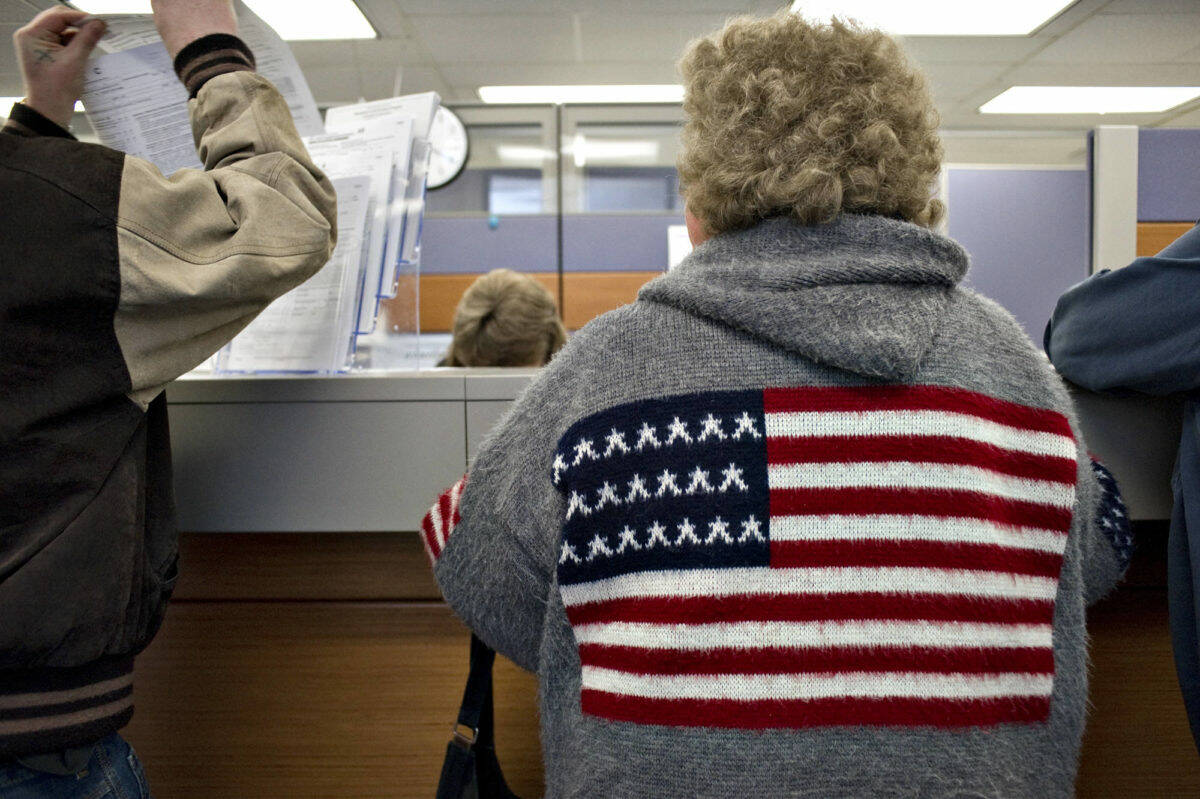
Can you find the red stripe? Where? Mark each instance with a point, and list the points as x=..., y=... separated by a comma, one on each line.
x=446, y=512
x=949, y=503
x=793, y=660
x=914, y=398
x=927, y=554
x=793, y=714
x=919, y=449
x=813, y=607
x=431, y=543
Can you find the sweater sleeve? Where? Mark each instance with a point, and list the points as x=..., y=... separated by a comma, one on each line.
x=492, y=536
x=1107, y=538
x=1136, y=328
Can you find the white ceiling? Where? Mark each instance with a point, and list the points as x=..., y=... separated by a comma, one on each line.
x=454, y=46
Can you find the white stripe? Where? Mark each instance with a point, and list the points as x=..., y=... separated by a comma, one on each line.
x=914, y=528
x=818, y=686
x=455, y=496
x=821, y=580
x=918, y=423
x=435, y=517
x=893, y=474
x=816, y=634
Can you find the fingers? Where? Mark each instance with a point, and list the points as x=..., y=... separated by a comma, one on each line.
x=52, y=20
x=83, y=41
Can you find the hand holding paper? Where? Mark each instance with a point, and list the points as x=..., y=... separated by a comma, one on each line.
x=181, y=22
x=52, y=53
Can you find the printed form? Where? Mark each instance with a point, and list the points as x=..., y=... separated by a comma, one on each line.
x=378, y=149
x=137, y=105
x=408, y=176
x=311, y=328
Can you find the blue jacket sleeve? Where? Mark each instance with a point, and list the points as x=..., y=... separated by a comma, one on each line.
x=1135, y=328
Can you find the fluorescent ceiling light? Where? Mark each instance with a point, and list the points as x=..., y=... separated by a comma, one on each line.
x=328, y=19
x=643, y=93
x=1089, y=99
x=7, y=102
x=523, y=154
x=611, y=150
x=939, y=17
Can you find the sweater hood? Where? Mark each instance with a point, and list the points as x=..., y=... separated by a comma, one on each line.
x=862, y=293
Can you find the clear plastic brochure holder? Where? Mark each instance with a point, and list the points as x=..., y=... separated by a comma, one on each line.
x=377, y=156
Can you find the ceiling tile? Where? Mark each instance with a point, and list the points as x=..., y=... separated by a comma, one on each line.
x=967, y=49
x=389, y=52
x=616, y=7
x=643, y=37
x=379, y=83
x=1130, y=38
x=952, y=82
x=1189, y=120
x=474, y=75
x=8, y=54
x=1150, y=7
x=17, y=11
x=496, y=37
x=333, y=84
x=1113, y=74
x=323, y=54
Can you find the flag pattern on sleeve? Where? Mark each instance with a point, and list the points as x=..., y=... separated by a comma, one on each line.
x=803, y=557
x=441, y=520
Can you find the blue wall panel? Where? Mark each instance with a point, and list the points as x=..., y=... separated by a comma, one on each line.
x=1027, y=234
x=1168, y=175
x=471, y=244
x=616, y=242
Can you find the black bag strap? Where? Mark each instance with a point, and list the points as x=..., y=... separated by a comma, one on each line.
x=472, y=751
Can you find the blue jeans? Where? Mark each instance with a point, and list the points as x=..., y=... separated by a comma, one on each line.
x=112, y=772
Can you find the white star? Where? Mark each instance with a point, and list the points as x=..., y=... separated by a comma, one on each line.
x=608, y=496
x=678, y=429
x=646, y=436
x=733, y=477
x=568, y=553
x=584, y=447
x=657, y=534
x=712, y=427
x=699, y=482
x=718, y=530
x=615, y=441
x=577, y=504
x=560, y=466
x=751, y=531
x=745, y=424
x=628, y=540
x=666, y=482
x=597, y=547
x=687, y=532
x=637, y=489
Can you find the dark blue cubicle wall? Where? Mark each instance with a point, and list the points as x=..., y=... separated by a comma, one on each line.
x=1026, y=231
x=1168, y=175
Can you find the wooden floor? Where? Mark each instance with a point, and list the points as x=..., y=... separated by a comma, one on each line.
x=296, y=666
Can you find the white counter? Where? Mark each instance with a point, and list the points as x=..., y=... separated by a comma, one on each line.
x=370, y=452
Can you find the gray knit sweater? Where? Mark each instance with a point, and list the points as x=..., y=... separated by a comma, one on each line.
x=807, y=519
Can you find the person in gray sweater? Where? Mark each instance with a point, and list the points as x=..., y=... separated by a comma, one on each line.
x=808, y=518
x=1138, y=329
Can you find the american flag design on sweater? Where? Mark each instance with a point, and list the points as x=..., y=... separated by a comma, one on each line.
x=803, y=557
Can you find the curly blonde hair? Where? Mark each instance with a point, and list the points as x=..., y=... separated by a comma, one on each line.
x=505, y=318
x=791, y=117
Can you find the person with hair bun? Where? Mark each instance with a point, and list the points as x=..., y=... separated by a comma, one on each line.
x=505, y=318
x=808, y=518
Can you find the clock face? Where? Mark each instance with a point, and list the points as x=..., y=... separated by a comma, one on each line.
x=450, y=147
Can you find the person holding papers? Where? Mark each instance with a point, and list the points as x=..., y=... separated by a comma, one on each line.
x=116, y=280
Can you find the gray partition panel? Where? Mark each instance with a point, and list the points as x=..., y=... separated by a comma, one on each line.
x=315, y=466
x=481, y=417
